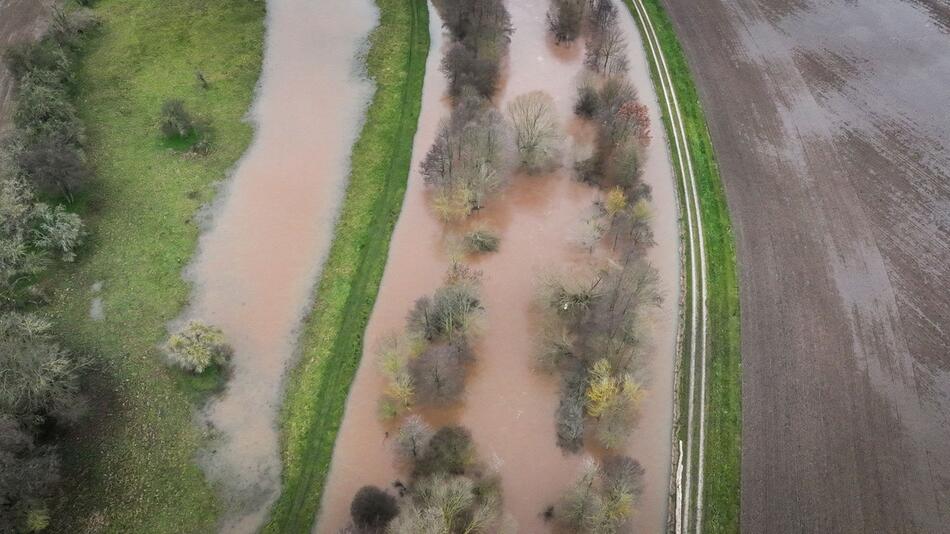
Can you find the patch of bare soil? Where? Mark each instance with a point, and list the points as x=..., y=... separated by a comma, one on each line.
x=829, y=118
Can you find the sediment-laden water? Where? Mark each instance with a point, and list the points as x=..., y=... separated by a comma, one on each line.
x=509, y=407
x=270, y=230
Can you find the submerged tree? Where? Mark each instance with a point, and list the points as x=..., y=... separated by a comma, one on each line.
x=565, y=19
x=602, y=499
x=537, y=133
x=468, y=158
x=372, y=509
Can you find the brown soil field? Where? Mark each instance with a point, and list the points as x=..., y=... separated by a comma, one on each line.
x=830, y=122
x=20, y=21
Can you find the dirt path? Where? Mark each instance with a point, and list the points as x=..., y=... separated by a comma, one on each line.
x=20, y=21
x=697, y=324
x=829, y=121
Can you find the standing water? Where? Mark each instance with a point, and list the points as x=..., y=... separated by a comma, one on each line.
x=508, y=407
x=271, y=228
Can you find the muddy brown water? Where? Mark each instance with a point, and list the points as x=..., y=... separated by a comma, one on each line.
x=830, y=122
x=270, y=230
x=508, y=407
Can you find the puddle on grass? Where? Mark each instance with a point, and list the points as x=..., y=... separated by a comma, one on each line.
x=508, y=407
x=270, y=231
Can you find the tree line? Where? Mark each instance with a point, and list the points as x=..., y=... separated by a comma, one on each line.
x=595, y=324
x=42, y=166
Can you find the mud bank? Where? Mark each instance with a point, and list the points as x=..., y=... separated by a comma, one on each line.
x=508, y=407
x=270, y=230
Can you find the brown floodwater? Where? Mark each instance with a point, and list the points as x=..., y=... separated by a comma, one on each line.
x=270, y=230
x=508, y=407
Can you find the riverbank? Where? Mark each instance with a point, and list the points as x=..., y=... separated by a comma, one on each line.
x=332, y=337
x=721, y=490
x=131, y=466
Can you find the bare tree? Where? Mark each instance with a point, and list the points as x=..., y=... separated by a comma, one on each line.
x=412, y=441
x=565, y=19
x=537, y=132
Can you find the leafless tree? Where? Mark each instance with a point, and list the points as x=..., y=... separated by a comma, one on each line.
x=537, y=133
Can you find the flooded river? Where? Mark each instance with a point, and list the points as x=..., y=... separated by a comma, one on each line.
x=509, y=407
x=270, y=230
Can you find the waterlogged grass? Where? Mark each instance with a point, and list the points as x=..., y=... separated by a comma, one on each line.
x=724, y=373
x=332, y=341
x=131, y=466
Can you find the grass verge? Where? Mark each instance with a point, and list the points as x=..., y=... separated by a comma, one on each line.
x=332, y=340
x=724, y=395
x=130, y=466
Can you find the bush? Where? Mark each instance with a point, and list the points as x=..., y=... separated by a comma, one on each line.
x=176, y=122
x=38, y=378
x=44, y=111
x=56, y=230
x=29, y=473
x=54, y=167
x=198, y=346
x=373, y=508
x=450, y=452
x=481, y=241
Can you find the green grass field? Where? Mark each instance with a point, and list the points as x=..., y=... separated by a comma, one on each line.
x=131, y=466
x=332, y=340
x=724, y=373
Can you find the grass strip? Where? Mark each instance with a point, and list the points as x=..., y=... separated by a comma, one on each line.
x=130, y=467
x=332, y=340
x=724, y=372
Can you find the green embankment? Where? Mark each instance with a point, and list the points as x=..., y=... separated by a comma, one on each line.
x=332, y=341
x=724, y=373
x=131, y=466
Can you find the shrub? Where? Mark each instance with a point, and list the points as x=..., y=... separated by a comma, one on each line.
x=44, y=111
x=198, y=346
x=28, y=475
x=450, y=452
x=537, y=134
x=176, y=122
x=372, y=508
x=38, y=378
x=481, y=241
x=56, y=230
x=54, y=167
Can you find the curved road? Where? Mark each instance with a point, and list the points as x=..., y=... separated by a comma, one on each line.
x=830, y=121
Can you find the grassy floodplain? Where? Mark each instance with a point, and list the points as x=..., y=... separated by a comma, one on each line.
x=724, y=373
x=332, y=339
x=130, y=467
